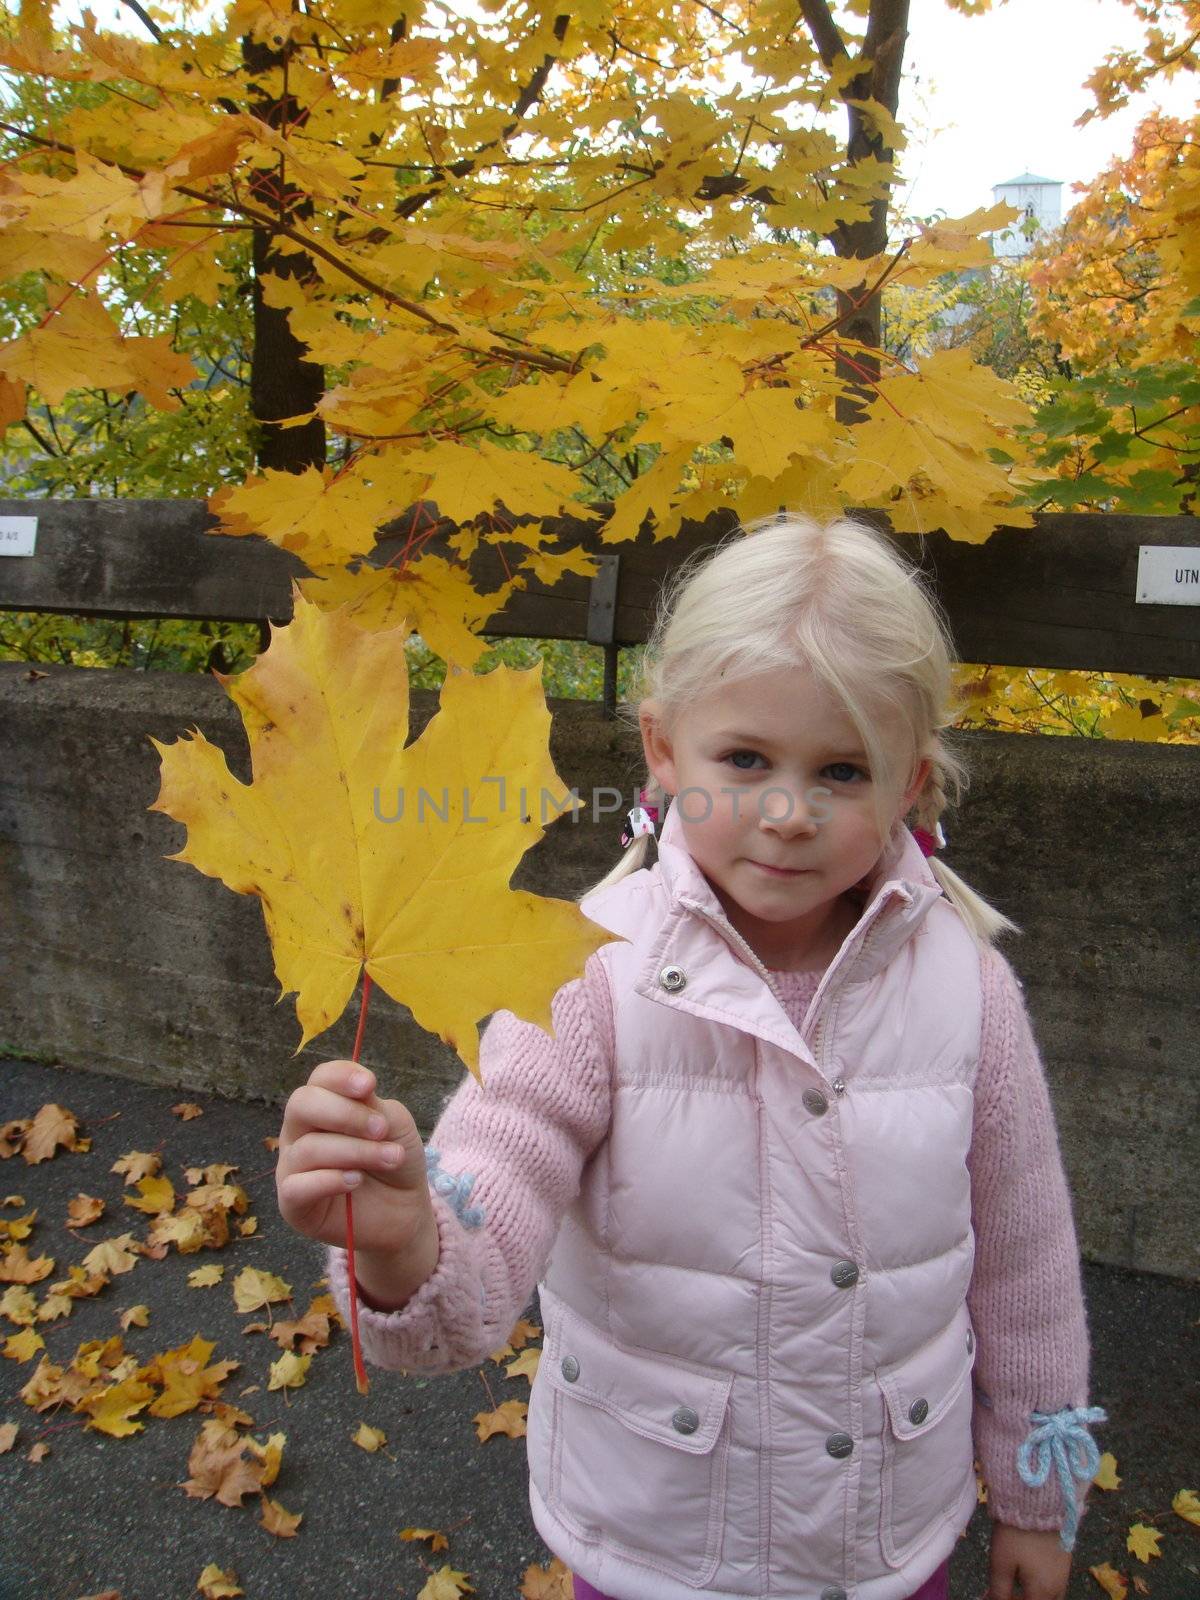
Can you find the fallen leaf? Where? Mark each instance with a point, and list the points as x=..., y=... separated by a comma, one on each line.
x=39, y=1452
x=84, y=1208
x=1106, y=1473
x=508, y=1418
x=112, y=1410
x=52, y=1128
x=437, y=1539
x=555, y=1582
x=526, y=1364
x=278, y=1521
x=155, y=1195
x=1110, y=1580
x=18, y=1305
x=205, y=1277
x=214, y=1584
x=220, y=1467
x=17, y=1266
x=1186, y=1504
x=19, y=1227
x=137, y=1164
x=186, y=1110
x=1143, y=1541
x=446, y=1584
x=113, y=1255
x=253, y=1288
x=23, y=1346
x=289, y=1372
x=135, y=1317
x=369, y=1438
x=8, y=1435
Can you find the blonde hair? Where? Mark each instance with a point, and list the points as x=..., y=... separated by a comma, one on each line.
x=839, y=599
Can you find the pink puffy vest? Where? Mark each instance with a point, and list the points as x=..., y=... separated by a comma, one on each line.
x=756, y=1371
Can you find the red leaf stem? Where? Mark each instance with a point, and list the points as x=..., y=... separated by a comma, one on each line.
x=360, y=1371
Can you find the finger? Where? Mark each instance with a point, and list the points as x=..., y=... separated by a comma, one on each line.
x=312, y=1108
x=303, y=1192
x=345, y=1077
x=317, y=1151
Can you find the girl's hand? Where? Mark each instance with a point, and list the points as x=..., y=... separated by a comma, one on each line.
x=1030, y=1557
x=334, y=1125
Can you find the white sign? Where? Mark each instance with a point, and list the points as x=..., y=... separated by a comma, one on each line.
x=18, y=535
x=1168, y=575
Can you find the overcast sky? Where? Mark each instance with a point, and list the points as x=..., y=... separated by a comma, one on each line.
x=985, y=98
x=989, y=97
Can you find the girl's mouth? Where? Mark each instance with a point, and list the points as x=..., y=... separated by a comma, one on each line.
x=779, y=872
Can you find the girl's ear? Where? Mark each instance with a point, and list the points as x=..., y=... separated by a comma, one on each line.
x=656, y=747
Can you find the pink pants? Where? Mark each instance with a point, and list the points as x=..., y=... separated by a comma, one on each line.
x=935, y=1588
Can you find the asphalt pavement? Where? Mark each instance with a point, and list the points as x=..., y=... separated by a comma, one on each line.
x=99, y=1514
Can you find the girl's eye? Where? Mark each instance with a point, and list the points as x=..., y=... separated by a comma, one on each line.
x=734, y=754
x=845, y=766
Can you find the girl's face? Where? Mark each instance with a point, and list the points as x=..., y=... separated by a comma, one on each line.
x=776, y=804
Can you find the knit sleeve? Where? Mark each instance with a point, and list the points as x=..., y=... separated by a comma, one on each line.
x=1026, y=1294
x=504, y=1161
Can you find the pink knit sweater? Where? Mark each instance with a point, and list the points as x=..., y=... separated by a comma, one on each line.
x=545, y=1110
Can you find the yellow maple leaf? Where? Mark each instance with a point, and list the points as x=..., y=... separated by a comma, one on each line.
x=370, y=1439
x=137, y=1164
x=554, y=1582
x=23, y=1346
x=508, y=1418
x=1110, y=1580
x=270, y=1454
x=1106, y=1473
x=18, y=1266
x=111, y=1411
x=430, y=596
x=290, y=1371
x=205, y=1277
x=185, y=1377
x=1186, y=1504
x=113, y=1255
x=276, y=1520
x=1143, y=1541
x=253, y=1288
x=154, y=1196
x=445, y=1584
x=135, y=1317
x=19, y=1227
x=214, y=1584
x=437, y=1539
x=407, y=872
x=8, y=1435
x=84, y=1209
x=526, y=1364
x=18, y=1305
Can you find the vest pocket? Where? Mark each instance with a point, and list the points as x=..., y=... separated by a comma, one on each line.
x=928, y=1452
x=636, y=1445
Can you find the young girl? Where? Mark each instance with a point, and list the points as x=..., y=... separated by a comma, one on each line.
x=787, y=1175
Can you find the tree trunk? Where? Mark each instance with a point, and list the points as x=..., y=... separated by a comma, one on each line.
x=282, y=382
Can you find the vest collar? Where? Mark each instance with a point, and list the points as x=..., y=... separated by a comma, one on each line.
x=897, y=896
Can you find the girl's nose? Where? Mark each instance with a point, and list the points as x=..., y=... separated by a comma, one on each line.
x=788, y=812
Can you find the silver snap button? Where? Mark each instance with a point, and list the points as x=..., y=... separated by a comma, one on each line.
x=839, y=1444
x=815, y=1102
x=970, y=1341
x=685, y=1420
x=569, y=1368
x=844, y=1274
x=918, y=1411
x=833, y=1593
x=672, y=979
x=839, y=1086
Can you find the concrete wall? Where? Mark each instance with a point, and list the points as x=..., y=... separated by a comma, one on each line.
x=118, y=960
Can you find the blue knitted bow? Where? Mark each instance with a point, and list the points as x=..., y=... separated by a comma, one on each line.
x=456, y=1190
x=1058, y=1436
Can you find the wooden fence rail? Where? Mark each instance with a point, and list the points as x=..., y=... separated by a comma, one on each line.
x=1062, y=594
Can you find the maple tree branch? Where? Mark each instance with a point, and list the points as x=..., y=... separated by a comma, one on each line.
x=537, y=358
x=29, y=428
x=145, y=17
x=829, y=42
